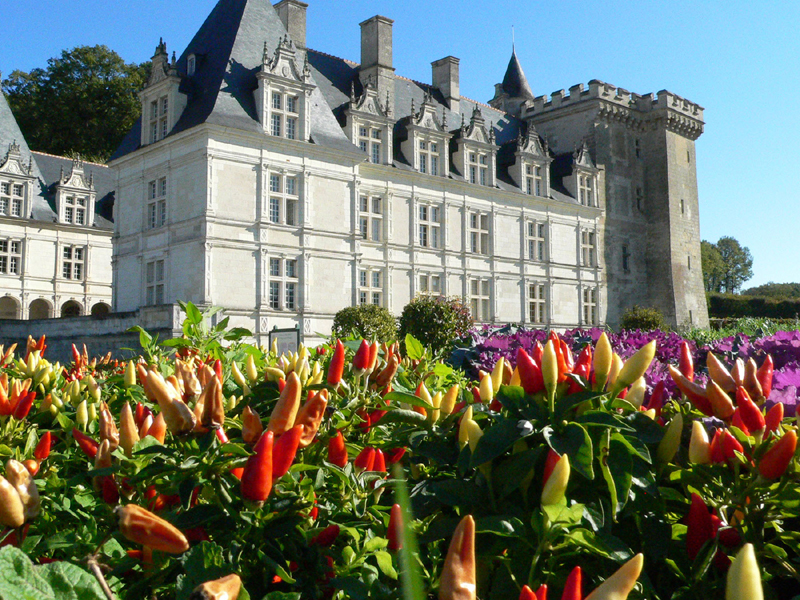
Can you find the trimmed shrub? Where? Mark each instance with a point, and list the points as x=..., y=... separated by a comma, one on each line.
x=436, y=321
x=640, y=317
x=725, y=306
x=366, y=321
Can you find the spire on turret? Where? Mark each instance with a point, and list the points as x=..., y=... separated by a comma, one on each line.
x=515, y=84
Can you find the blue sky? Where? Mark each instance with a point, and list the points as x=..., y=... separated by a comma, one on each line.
x=739, y=60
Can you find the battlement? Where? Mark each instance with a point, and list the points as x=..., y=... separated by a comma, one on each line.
x=647, y=103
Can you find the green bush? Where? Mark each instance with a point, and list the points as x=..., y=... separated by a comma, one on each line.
x=724, y=306
x=435, y=321
x=640, y=317
x=367, y=321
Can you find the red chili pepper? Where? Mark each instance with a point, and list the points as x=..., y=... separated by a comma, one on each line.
x=284, y=450
x=476, y=395
x=365, y=459
x=337, y=452
x=218, y=369
x=530, y=374
x=696, y=394
x=730, y=445
x=527, y=594
x=257, y=475
x=87, y=444
x=394, y=532
x=42, y=450
x=541, y=593
x=737, y=421
x=773, y=419
x=656, y=401
x=326, y=537
x=715, y=448
x=394, y=455
x=109, y=490
x=375, y=416
x=281, y=384
x=76, y=357
x=572, y=588
x=699, y=527
x=379, y=463
x=764, y=375
x=561, y=359
x=361, y=359
x=582, y=368
x=751, y=414
x=336, y=368
x=24, y=406
x=549, y=464
x=685, y=362
x=373, y=356
x=566, y=353
x=774, y=463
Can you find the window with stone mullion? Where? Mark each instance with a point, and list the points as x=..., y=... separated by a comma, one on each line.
x=370, y=218
x=10, y=256
x=589, y=306
x=537, y=240
x=586, y=190
x=429, y=226
x=480, y=298
x=370, y=286
x=283, y=283
x=12, y=196
x=284, y=199
x=429, y=156
x=73, y=262
x=157, y=203
x=537, y=303
x=534, y=185
x=478, y=168
x=154, y=282
x=370, y=140
x=588, y=248
x=478, y=227
x=284, y=114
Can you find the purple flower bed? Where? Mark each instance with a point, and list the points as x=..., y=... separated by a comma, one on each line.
x=490, y=344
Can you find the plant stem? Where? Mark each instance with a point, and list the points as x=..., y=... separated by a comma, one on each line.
x=94, y=567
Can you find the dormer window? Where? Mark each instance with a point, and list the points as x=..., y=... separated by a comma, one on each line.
x=530, y=167
x=283, y=92
x=582, y=183
x=533, y=180
x=162, y=102
x=478, y=168
x=16, y=183
x=426, y=146
x=75, y=196
x=370, y=140
x=75, y=210
x=191, y=65
x=369, y=125
x=429, y=157
x=12, y=196
x=586, y=190
x=476, y=154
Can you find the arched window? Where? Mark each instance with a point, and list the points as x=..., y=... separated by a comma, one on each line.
x=71, y=309
x=9, y=308
x=101, y=310
x=40, y=309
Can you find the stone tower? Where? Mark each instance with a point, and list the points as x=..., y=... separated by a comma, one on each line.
x=644, y=145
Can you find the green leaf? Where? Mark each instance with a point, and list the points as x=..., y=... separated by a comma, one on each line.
x=574, y=441
x=282, y=596
x=204, y=562
x=647, y=430
x=634, y=445
x=564, y=515
x=414, y=348
x=510, y=474
x=616, y=463
x=605, y=449
x=502, y=526
x=408, y=399
x=193, y=314
x=385, y=564
x=498, y=438
x=601, y=418
x=569, y=402
x=375, y=544
x=21, y=580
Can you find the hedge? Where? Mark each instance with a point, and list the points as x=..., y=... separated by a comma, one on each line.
x=730, y=305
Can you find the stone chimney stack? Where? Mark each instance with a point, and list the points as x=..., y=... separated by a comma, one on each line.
x=293, y=16
x=446, y=80
x=376, y=57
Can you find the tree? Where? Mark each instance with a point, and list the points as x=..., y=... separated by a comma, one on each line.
x=738, y=264
x=83, y=103
x=713, y=267
x=774, y=290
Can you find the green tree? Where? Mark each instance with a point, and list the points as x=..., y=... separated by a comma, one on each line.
x=83, y=103
x=713, y=267
x=738, y=264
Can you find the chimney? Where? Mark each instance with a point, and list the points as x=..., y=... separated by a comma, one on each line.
x=292, y=14
x=376, y=57
x=445, y=79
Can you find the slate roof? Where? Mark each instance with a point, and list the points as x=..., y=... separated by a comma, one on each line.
x=229, y=48
x=47, y=170
x=515, y=84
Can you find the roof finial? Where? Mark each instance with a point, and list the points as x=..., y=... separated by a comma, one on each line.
x=413, y=112
x=513, y=41
x=353, y=91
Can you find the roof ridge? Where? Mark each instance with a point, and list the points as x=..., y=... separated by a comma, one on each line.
x=350, y=62
x=86, y=162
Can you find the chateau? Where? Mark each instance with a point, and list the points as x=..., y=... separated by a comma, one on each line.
x=283, y=184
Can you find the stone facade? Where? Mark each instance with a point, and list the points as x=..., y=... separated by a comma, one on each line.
x=284, y=184
x=55, y=231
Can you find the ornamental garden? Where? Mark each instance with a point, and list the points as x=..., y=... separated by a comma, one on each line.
x=526, y=464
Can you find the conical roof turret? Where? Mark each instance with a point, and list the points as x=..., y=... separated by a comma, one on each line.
x=515, y=84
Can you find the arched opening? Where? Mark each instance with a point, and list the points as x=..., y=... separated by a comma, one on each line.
x=71, y=309
x=39, y=309
x=9, y=308
x=101, y=310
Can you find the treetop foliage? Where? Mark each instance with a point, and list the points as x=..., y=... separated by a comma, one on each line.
x=83, y=103
x=774, y=290
x=726, y=265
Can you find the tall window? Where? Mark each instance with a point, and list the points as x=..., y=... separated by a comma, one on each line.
x=283, y=284
x=586, y=190
x=478, y=168
x=430, y=285
x=157, y=203
x=159, y=110
x=370, y=141
x=478, y=233
x=154, y=282
x=533, y=180
x=370, y=287
x=428, y=157
x=536, y=238
x=370, y=219
x=73, y=261
x=590, y=306
x=480, y=299
x=11, y=197
x=285, y=115
x=588, y=249
x=75, y=210
x=626, y=258
x=639, y=199
x=537, y=303
x=283, y=199
x=429, y=226
x=10, y=257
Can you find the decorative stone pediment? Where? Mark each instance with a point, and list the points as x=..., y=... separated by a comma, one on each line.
x=530, y=143
x=582, y=157
x=13, y=163
x=369, y=102
x=426, y=117
x=162, y=69
x=77, y=178
x=476, y=131
x=283, y=62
